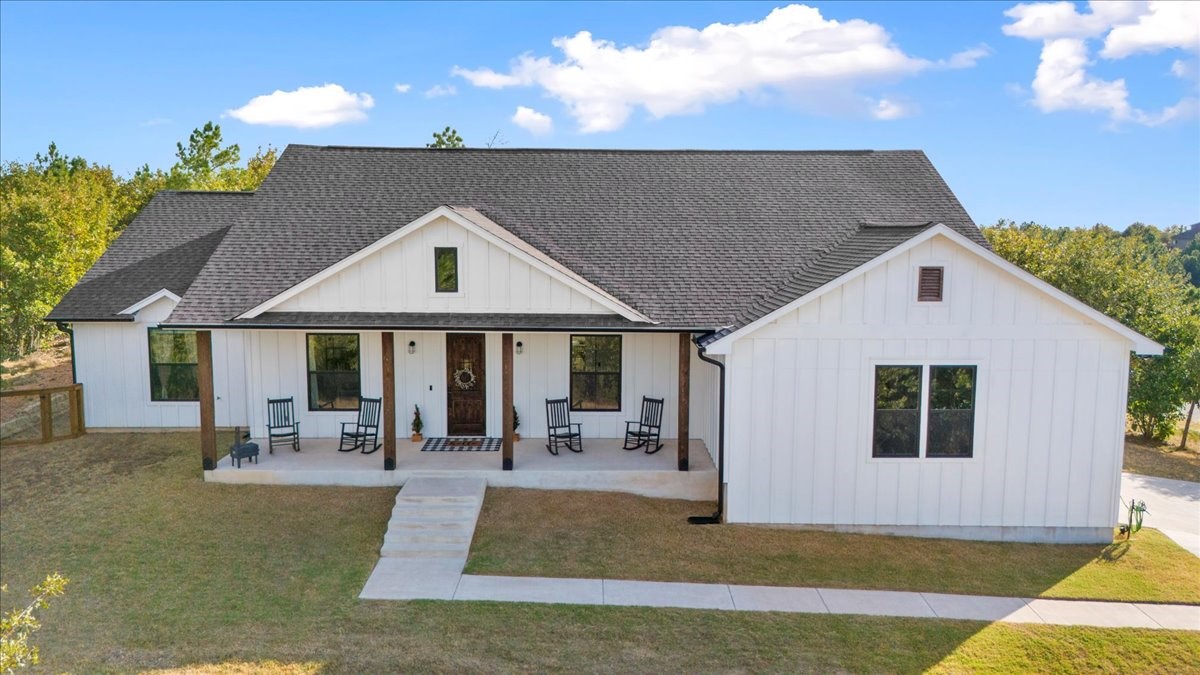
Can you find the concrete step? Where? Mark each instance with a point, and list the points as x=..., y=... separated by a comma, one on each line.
x=427, y=550
x=420, y=539
x=419, y=500
x=459, y=554
x=464, y=526
x=435, y=512
x=426, y=547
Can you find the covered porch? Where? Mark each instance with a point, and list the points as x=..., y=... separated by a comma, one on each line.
x=603, y=465
x=402, y=368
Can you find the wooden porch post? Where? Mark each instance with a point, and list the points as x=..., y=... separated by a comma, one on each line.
x=208, y=408
x=506, y=400
x=389, y=400
x=685, y=392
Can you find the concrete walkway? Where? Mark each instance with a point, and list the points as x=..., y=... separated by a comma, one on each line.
x=427, y=539
x=429, y=536
x=803, y=600
x=1173, y=505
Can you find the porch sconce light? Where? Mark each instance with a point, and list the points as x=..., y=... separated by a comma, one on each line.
x=520, y=347
x=412, y=346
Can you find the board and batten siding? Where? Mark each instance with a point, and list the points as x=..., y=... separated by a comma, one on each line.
x=400, y=278
x=277, y=368
x=1049, y=421
x=112, y=361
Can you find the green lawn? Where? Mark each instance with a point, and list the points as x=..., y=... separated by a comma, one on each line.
x=610, y=535
x=170, y=573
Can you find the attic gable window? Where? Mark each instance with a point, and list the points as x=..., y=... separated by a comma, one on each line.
x=445, y=269
x=929, y=284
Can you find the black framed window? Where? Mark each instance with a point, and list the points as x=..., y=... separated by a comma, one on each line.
x=947, y=413
x=897, y=411
x=173, y=375
x=596, y=372
x=951, y=425
x=445, y=269
x=333, y=374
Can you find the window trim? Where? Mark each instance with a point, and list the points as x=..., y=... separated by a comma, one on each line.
x=620, y=372
x=457, y=290
x=150, y=367
x=867, y=436
x=308, y=399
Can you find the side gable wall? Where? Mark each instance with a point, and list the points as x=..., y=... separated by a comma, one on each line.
x=113, y=364
x=400, y=277
x=1049, y=411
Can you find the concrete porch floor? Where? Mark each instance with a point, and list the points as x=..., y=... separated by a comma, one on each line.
x=603, y=465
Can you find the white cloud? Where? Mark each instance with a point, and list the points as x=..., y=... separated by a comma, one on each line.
x=533, y=121
x=1050, y=20
x=886, y=109
x=440, y=90
x=155, y=122
x=305, y=108
x=1166, y=25
x=1183, y=69
x=402, y=88
x=681, y=70
x=1062, y=81
x=967, y=58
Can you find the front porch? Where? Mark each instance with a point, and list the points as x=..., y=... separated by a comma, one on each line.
x=603, y=465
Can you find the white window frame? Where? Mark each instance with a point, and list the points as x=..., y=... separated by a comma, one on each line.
x=925, y=363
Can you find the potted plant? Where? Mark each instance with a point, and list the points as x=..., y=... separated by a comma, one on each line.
x=417, y=424
x=516, y=424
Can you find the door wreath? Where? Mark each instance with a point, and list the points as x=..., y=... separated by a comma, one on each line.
x=464, y=378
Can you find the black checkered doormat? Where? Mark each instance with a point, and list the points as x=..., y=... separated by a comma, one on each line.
x=462, y=444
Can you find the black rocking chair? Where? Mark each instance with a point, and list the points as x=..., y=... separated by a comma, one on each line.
x=560, y=430
x=645, y=432
x=282, y=427
x=242, y=448
x=365, y=427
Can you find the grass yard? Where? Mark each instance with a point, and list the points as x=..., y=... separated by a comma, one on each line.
x=1166, y=460
x=170, y=573
x=601, y=534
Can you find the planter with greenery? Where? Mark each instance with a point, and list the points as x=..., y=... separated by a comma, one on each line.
x=417, y=425
x=516, y=424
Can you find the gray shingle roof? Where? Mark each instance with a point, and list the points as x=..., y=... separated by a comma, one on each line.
x=165, y=246
x=690, y=238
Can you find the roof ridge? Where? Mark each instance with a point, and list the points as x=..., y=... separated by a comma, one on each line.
x=646, y=151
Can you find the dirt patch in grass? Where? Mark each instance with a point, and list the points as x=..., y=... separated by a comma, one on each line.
x=610, y=535
x=50, y=367
x=1165, y=460
x=172, y=574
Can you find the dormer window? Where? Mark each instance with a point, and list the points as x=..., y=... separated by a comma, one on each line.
x=445, y=270
x=929, y=284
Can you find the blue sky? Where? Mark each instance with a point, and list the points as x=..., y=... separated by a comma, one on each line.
x=1066, y=115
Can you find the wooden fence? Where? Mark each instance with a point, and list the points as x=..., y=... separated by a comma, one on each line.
x=50, y=424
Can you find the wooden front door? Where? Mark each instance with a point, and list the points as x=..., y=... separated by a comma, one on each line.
x=465, y=399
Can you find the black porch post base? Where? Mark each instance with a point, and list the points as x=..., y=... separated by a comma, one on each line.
x=683, y=463
x=209, y=465
x=389, y=463
x=507, y=464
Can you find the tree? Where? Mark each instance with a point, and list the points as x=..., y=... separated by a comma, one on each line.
x=59, y=213
x=1133, y=278
x=1190, y=389
x=446, y=138
x=203, y=160
x=18, y=625
x=1189, y=258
